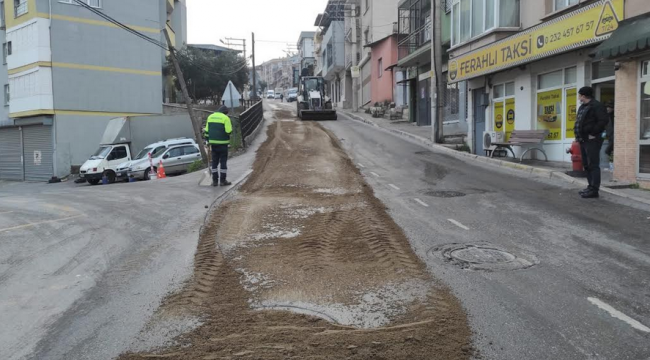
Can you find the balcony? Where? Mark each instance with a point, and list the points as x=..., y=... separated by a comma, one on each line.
x=20, y=8
x=415, y=32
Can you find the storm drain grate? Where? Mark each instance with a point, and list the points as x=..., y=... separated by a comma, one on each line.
x=444, y=194
x=483, y=256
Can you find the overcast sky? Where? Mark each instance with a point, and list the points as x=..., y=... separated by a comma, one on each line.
x=208, y=21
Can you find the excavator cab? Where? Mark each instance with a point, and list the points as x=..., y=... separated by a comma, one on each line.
x=312, y=102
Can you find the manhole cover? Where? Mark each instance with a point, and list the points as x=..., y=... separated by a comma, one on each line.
x=483, y=256
x=444, y=194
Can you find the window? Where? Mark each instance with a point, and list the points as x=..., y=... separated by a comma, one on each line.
x=472, y=18
x=93, y=3
x=380, y=68
x=602, y=69
x=20, y=7
x=557, y=100
x=190, y=150
x=503, y=106
x=118, y=153
x=561, y=4
x=2, y=14
x=175, y=152
x=4, y=53
x=644, y=121
x=7, y=95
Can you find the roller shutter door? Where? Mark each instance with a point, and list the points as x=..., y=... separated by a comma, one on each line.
x=11, y=165
x=38, y=152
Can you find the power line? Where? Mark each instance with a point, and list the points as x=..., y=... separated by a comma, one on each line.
x=122, y=26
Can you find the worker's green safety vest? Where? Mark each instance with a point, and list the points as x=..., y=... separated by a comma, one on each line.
x=218, y=129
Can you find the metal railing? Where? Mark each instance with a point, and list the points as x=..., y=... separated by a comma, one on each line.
x=250, y=120
x=414, y=41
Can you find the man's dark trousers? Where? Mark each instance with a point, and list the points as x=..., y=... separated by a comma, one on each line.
x=591, y=161
x=219, y=157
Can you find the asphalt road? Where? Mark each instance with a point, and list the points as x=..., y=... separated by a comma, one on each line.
x=562, y=277
x=83, y=268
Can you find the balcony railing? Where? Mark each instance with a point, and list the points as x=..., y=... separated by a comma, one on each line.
x=21, y=9
x=414, y=41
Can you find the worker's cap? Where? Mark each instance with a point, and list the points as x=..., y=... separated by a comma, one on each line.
x=224, y=110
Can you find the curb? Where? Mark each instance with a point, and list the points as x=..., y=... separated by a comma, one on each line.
x=535, y=171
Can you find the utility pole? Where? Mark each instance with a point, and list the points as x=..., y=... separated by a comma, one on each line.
x=196, y=125
x=254, y=71
x=437, y=126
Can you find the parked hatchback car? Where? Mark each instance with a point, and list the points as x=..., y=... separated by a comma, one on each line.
x=176, y=160
x=155, y=148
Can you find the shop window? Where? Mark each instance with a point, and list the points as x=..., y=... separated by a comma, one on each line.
x=550, y=80
x=570, y=75
x=503, y=108
x=471, y=18
x=602, y=70
x=557, y=103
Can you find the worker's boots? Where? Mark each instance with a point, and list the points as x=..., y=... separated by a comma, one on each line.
x=225, y=182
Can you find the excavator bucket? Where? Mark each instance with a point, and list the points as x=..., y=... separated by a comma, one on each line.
x=319, y=115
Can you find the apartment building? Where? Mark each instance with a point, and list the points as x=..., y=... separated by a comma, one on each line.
x=306, y=50
x=524, y=61
x=371, y=47
x=67, y=72
x=331, y=52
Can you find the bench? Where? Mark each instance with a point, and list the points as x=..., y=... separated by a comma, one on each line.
x=396, y=113
x=526, y=139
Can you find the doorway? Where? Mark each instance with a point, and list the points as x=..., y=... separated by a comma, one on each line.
x=424, y=102
x=478, y=99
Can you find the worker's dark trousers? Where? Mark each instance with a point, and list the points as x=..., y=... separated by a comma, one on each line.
x=591, y=161
x=219, y=157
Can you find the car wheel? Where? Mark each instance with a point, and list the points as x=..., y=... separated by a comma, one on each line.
x=147, y=174
x=93, y=181
x=110, y=176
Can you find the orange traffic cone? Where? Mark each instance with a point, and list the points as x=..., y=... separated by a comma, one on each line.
x=161, y=171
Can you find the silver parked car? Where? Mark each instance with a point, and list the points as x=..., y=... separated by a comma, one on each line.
x=176, y=160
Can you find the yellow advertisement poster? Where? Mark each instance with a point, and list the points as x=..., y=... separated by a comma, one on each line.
x=588, y=25
x=510, y=117
x=549, y=113
x=498, y=116
x=571, y=111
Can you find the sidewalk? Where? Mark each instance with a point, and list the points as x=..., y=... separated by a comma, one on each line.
x=550, y=169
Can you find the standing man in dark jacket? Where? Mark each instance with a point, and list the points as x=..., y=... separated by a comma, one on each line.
x=217, y=131
x=590, y=123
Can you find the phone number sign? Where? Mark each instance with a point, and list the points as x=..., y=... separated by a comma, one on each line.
x=587, y=25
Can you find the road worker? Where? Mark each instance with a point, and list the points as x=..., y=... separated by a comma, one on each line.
x=217, y=130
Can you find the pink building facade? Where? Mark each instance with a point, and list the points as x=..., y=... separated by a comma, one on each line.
x=384, y=57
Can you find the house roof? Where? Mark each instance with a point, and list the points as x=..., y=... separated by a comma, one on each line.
x=212, y=47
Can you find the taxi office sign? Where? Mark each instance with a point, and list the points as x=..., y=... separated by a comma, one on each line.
x=587, y=25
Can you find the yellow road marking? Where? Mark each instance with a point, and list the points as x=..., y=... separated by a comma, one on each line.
x=40, y=223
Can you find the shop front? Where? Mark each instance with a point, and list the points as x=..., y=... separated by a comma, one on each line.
x=629, y=49
x=531, y=79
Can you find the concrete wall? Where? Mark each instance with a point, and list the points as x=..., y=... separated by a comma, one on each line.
x=4, y=80
x=626, y=146
x=336, y=38
x=77, y=136
x=382, y=88
x=125, y=71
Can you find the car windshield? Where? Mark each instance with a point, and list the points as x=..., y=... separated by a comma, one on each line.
x=101, y=153
x=293, y=91
x=143, y=153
